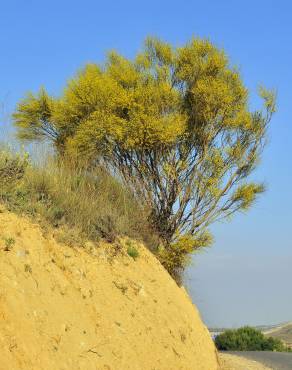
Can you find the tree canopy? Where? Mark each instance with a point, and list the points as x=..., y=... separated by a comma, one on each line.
x=173, y=123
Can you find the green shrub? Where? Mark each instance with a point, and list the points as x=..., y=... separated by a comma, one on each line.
x=247, y=339
x=132, y=252
x=9, y=243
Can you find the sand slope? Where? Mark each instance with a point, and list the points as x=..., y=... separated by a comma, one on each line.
x=64, y=308
x=283, y=332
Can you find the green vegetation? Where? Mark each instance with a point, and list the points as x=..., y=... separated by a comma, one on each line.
x=132, y=252
x=12, y=168
x=88, y=204
x=9, y=243
x=248, y=339
x=173, y=125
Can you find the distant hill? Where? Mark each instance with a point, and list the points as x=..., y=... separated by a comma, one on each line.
x=283, y=332
x=262, y=328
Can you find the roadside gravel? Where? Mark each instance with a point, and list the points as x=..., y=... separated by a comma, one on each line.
x=232, y=362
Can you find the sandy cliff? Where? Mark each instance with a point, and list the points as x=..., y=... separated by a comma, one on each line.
x=93, y=308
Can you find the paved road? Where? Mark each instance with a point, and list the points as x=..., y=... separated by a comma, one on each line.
x=275, y=360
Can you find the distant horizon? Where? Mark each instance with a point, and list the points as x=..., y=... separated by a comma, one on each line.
x=254, y=326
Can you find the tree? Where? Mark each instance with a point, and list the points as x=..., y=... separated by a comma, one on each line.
x=247, y=339
x=173, y=124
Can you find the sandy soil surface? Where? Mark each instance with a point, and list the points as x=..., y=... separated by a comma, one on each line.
x=231, y=362
x=92, y=308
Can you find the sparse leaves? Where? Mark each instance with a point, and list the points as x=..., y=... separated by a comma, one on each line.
x=246, y=194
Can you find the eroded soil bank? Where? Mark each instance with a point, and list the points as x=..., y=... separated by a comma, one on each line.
x=67, y=308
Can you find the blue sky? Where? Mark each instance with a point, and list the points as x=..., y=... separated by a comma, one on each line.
x=246, y=276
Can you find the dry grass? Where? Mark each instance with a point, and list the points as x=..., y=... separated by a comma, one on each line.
x=231, y=362
x=92, y=204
